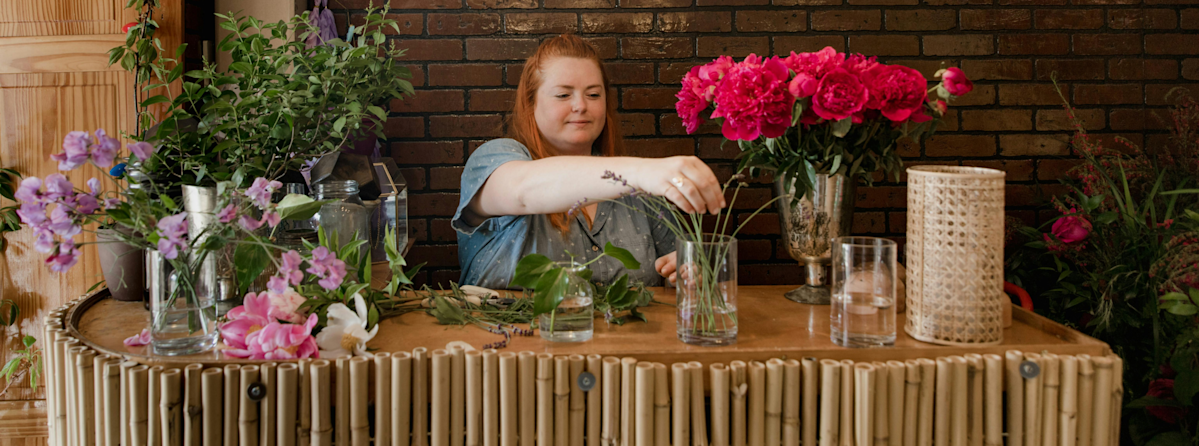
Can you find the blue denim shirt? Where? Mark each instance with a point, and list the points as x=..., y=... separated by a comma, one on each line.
x=488, y=253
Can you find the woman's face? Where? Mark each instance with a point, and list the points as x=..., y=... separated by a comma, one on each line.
x=571, y=103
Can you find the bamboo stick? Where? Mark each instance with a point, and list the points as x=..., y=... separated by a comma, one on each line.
x=811, y=376
x=944, y=402
x=911, y=401
x=644, y=399
x=126, y=401
x=830, y=410
x=757, y=404
x=527, y=382
x=341, y=398
x=304, y=411
x=1015, y=397
x=864, y=376
x=191, y=404
x=562, y=400
x=881, y=404
x=59, y=378
x=84, y=372
x=1032, y=403
x=247, y=409
x=896, y=387
x=925, y=418
x=383, y=376
x=457, y=395
x=595, y=366
x=360, y=424
x=959, y=430
x=1117, y=397
x=267, y=409
x=680, y=414
x=699, y=425
x=401, y=398
x=627, y=402
x=288, y=380
x=545, y=399
x=791, y=398
x=171, y=409
x=113, y=401
x=661, y=406
x=232, y=399
x=50, y=371
x=439, y=431
x=138, y=406
x=1101, y=408
x=491, y=397
x=847, y=400
x=154, y=399
x=71, y=388
x=474, y=398
x=99, y=406
x=1051, y=372
x=578, y=405
x=739, y=386
x=508, y=400
x=420, y=396
x=319, y=378
x=993, y=382
x=610, y=420
x=1068, y=417
x=720, y=407
x=974, y=380
x=772, y=401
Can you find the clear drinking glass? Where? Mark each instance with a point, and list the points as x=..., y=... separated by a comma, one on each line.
x=707, y=290
x=863, y=292
x=182, y=309
x=572, y=321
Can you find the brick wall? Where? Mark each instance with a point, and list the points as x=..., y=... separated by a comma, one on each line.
x=1115, y=58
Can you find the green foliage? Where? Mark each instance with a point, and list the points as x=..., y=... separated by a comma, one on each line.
x=9, y=221
x=548, y=281
x=25, y=361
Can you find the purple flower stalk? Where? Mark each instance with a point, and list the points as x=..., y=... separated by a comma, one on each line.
x=328, y=267
x=173, y=235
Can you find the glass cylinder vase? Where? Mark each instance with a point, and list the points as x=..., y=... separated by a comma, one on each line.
x=346, y=214
x=182, y=307
x=864, y=288
x=572, y=320
x=707, y=290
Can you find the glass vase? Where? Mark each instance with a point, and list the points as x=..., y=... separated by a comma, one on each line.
x=864, y=287
x=182, y=307
x=346, y=214
x=707, y=290
x=573, y=320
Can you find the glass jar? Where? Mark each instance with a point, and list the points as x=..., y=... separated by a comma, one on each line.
x=346, y=214
x=707, y=290
x=572, y=320
x=182, y=308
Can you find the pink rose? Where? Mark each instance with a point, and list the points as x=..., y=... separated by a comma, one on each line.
x=839, y=96
x=896, y=91
x=956, y=82
x=753, y=99
x=815, y=64
x=1071, y=229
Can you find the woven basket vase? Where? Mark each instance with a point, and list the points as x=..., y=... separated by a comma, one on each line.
x=955, y=255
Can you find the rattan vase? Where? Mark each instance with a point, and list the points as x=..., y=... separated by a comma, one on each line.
x=955, y=255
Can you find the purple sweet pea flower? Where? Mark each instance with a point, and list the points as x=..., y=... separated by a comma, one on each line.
x=289, y=268
x=62, y=224
x=277, y=284
x=337, y=273
x=142, y=150
x=82, y=204
x=94, y=186
x=325, y=264
x=105, y=150
x=321, y=256
x=44, y=242
x=227, y=214
x=248, y=223
x=111, y=203
x=261, y=191
x=30, y=191
x=173, y=233
x=33, y=214
x=64, y=258
x=75, y=151
x=272, y=218
x=58, y=187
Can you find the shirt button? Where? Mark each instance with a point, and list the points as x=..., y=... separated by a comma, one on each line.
x=595, y=248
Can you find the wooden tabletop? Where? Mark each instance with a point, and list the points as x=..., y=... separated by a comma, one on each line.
x=771, y=327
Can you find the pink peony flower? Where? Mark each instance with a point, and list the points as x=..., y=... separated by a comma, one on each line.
x=139, y=339
x=142, y=150
x=896, y=91
x=839, y=96
x=247, y=318
x=285, y=306
x=690, y=104
x=956, y=82
x=65, y=258
x=710, y=75
x=1071, y=229
x=858, y=64
x=753, y=99
x=278, y=341
x=816, y=64
x=803, y=85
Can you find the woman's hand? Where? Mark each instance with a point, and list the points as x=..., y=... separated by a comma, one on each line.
x=666, y=266
x=684, y=180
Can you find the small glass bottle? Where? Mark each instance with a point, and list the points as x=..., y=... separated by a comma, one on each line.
x=346, y=214
x=572, y=321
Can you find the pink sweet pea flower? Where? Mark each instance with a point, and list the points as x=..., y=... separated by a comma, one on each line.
x=328, y=267
x=896, y=91
x=956, y=82
x=173, y=235
x=44, y=242
x=75, y=150
x=30, y=191
x=105, y=150
x=272, y=218
x=142, y=150
x=260, y=191
x=249, y=223
x=58, y=187
x=289, y=272
x=33, y=214
x=139, y=339
x=227, y=214
x=65, y=258
x=62, y=224
x=839, y=96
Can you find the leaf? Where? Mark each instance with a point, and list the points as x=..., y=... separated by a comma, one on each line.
x=623, y=255
x=618, y=295
x=1170, y=438
x=241, y=67
x=1106, y=217
x=299, y=207
x=249, y=260
x=549, y=291
x=372, y=316
x=10, y=368
x=446, y=312
x=529, y=270
x=168, y=202
x=155, y=100
x=1186, y=385
x=28, y=341
x=842, y=126
x=339, y=124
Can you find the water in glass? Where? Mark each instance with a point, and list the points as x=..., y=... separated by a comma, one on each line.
x=863, y=320
x=571, y=322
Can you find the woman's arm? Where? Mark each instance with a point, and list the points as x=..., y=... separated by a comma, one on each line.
x=554, y=184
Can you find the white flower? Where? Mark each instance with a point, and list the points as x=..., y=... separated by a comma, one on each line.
x=346, y=331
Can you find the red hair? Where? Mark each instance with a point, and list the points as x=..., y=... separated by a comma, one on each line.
x=522, y=126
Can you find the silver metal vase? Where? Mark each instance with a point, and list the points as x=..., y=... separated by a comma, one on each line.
x=217, y=270
x=808, y=227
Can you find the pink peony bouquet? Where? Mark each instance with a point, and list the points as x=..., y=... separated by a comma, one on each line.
x=818, y=112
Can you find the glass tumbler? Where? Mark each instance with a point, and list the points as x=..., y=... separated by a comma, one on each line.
x=573, y=320
x=863, y=292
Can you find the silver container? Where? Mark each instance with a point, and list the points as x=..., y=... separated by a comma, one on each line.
x=808, y=227
x=216, y=273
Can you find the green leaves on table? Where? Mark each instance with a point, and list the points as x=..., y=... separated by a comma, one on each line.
x=547, y=280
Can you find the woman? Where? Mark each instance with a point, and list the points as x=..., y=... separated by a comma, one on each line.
x=563, y=135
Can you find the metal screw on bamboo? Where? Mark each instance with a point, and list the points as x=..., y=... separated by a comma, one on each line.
x=383, y=408
x=527, y=379
x=322, y=423
x=1032, y=403
x=545, y=399
x=247, y=411
x=474, y=398
x=401, y=397
x=440, y=373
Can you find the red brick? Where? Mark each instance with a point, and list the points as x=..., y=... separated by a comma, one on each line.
x=959, y=45
x=869, y=223
x=855, y=20
x=1037, y=44
x=806, y=2
x=996, y=120
x=921, y=20
x=441, y=231
x=671, y=124
x=1090, y=119
x=409, y=24
x=1190, y=69
x=492, y=100
x=541, y=23
x=960, y=145
x=655, y=3
x=672, y=72
x=908, y=148
x=1143, y=69
x=465, y=75
x=772, y=21
x=407, y=5
x=996, y=19
x=1034, y=145
x=418, y=228
x=404, y=127
x=1171, y=2
x=468, y=126
x=428, y=152
x=414, y=176
x=418, y=75
x=928, y=68
x=1108, y=94
x=1016, y=170
x=998, y=69
x=1107, y=2
x=1052, y=169
x=580, y=4
x=512, y=73
x=501, y=4
x=754, y=250
x=431, y=49
x=607, y=47
x=659, y=147
x=1172, y=43
x=731, y=2
x=436, y=255
x=430, y=101
x=597, y=23
x=463, y=24
x=1160, y=94
x=1032, y=2
x=716, y=149
x=789, y=273
x=624, y=73
x=436, y=204
x=1070, y=70
x=737, y=47
x=656, y=47
x=648, y=98
x=889, y=45
x=1139, y=119
x=637, y=124
x=1142, y=19
x=1189, y=18
x=1106, y=44
x=695, y=22
x=500, y=49
x=1030, y=94
x=1069, y=18
x=355, y=4
x=784, y=45
x=445, y=178
x=762, y=224
x=982, y=95
x=882, y=197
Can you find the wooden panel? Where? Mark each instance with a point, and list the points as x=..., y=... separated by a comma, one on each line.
x=58, y=53
x=23, y=423
x=22, y=18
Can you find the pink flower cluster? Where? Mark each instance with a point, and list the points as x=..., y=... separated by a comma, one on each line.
x=323, y=264
x=757, y=96
x=65, y=221
x=259, y=329
x=260, y=194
